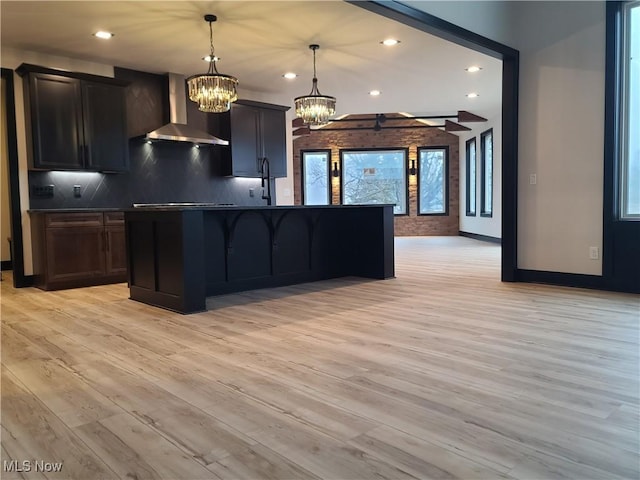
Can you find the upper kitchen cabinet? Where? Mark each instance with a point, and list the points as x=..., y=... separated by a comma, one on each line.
x=255, y=131
x=74, y=121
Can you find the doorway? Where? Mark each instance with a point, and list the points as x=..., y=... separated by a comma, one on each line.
x=11, y=227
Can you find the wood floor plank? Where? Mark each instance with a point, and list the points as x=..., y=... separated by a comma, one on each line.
x=122, y=438
x=280, y=398
x=205, y=438
x=125, y=389
x=9, y=472
x=63, y=392
x=325, y=456
x=31, y=432
x=441, y=372
x=420, y=458
x=258, y=462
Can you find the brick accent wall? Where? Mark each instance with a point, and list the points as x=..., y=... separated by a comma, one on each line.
x=412, y=138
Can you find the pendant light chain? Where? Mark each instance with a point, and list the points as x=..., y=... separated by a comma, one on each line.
x=314, y=63
x=212, y=91
x=315, y=108
x=212, y=56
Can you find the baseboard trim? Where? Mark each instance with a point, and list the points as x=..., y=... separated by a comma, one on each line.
x=477, y=236
x=562, y=279
x=24, y=281
x=6, y=265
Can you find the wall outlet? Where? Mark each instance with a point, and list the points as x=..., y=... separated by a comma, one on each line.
x=594, y=253
x=77, y=191
x=42, y=191
x=252, y=192
x=533, y=179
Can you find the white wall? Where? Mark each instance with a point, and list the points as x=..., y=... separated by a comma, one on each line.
x=11, y=58
x=489, y=18
x=561, y=122
x=488, y=226
x=561, y=134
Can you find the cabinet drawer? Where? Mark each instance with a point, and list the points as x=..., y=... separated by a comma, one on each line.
x=114, y=218
x=88, y=219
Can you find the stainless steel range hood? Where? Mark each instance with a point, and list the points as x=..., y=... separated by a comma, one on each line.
x=178, y=130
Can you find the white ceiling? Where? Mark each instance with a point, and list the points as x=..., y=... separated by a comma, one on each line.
x=258, y=41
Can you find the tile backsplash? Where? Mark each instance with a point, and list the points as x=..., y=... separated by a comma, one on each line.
x=160, y=172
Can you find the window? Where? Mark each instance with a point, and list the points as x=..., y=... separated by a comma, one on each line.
x=374, y=177
x=315, y=177
x=630, y=159
x=433, y=168
x=486, y=191
x=471, y=177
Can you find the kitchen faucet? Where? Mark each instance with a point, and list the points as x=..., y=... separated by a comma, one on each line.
x=265, y=173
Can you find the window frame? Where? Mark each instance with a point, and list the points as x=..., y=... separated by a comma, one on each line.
x=405, y=170
x=624, y=137
x=483, y=174
x=468, y=210
x=302, y=174
x=445, y=149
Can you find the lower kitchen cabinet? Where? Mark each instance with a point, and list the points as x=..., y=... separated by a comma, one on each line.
x=116, y=258
x=78, y=249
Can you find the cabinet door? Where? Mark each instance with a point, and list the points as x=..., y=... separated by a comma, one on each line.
x=56, y=121
x=245, y=146
x=74, y=253
x=274, y=140
x=105, y=134
x=116, y=261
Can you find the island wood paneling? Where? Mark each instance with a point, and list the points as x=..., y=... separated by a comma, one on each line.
x=252, y=248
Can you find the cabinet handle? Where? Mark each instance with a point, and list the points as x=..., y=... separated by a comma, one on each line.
x=105, y=235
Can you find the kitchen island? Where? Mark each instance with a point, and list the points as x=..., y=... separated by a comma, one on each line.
x=178, y=255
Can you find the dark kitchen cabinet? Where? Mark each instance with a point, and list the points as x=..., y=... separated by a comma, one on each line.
x=115, y=248
x=74, y=123
x=78, y=249
x=255, y=131
x=56, y=121
x=105, y=133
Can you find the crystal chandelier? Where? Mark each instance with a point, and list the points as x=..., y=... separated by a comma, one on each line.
x=212, y=91
x=315, y=108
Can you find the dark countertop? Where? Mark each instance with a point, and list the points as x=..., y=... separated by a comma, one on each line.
x=74, y=210
x=173, y=208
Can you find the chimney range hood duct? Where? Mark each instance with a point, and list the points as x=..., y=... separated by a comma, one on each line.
x=178, y=130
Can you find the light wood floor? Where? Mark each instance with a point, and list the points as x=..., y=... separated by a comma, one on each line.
x=443, y=372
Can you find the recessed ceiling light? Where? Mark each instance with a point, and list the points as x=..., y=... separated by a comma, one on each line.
x=389, y=42
x=290, y=75
x=374, y=93
x=473, y=69
x=208, y=58
x=103, y=35
x=472, y=95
